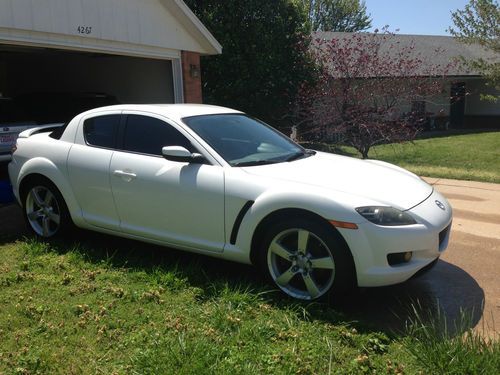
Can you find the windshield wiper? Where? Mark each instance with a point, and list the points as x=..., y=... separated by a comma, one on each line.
x=299, y=155
x=254, y=162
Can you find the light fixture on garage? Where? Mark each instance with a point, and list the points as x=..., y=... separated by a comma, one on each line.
x=194, y=71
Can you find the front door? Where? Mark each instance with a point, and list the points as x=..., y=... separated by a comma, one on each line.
x=457, y=109
x=174, y=202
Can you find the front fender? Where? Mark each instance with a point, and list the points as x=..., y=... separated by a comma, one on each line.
x=330, y=205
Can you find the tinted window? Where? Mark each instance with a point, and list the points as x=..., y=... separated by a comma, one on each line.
x=149, y=135
x=242, y=140
x=100, y=131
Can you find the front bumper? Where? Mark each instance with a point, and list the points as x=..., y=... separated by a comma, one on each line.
x=371, y=243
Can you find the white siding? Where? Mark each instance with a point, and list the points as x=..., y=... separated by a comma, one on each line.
x=131, y=27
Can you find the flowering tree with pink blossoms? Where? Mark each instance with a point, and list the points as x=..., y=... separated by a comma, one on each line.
x=363, y=82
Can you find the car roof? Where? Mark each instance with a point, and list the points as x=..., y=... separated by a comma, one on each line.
x=172, y=111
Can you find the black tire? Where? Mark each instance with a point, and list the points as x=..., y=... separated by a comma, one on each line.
x=44, y=209
x=318, y=267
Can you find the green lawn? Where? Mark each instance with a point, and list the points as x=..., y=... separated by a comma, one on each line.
x=464, y=157
x=117, y=306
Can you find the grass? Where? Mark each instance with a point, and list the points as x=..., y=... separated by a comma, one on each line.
x=118, y=306
x=441, y=352
x=465, y=157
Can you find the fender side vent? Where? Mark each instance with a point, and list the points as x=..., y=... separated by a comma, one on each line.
x=239, y=219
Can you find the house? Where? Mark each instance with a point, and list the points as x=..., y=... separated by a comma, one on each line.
x=134, y=51
x=460, y=104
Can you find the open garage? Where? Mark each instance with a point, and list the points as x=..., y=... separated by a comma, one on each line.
x=61, y=57
x=50, y=85
x=129, y=79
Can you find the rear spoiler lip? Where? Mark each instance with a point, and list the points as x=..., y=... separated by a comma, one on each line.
x=39, y=129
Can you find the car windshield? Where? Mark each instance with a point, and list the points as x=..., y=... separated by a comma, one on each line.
x=244, y=141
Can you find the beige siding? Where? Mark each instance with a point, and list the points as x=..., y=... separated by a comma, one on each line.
x=134, y=27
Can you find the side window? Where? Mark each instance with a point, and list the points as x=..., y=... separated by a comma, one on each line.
x=100, y=131
x=148, y=135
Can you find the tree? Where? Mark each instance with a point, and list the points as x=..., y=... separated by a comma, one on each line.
x=260, y=68
x=479, y=23
x=336, y=15
x=365, y=80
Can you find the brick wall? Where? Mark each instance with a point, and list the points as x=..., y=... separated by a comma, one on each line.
x=192, y=84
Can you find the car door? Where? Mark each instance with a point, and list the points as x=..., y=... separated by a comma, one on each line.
x=175, y=202
x=88, y=169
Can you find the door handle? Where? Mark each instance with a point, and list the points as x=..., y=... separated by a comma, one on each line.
x=127, y=176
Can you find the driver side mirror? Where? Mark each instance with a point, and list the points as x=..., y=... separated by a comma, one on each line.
x=181, y=154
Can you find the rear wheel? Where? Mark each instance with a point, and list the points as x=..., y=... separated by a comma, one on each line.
x=44, y=209
x=307, y=259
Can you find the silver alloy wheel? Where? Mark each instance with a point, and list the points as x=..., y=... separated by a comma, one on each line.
x=301, y=264
x=43, y=211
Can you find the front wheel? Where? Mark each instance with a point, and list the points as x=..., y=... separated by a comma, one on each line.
x=44, y=209
x=307, y=259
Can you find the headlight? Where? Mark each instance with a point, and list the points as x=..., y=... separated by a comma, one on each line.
x=387, y=216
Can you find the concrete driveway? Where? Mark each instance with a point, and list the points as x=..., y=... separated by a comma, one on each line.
x=474, y=249
x=466, y=278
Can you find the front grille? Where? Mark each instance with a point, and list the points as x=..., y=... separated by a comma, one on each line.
x=443, y=235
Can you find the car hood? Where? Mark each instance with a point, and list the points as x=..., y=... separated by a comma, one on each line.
x=379, y=181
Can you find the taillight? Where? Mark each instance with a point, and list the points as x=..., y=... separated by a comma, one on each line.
x=14, y=148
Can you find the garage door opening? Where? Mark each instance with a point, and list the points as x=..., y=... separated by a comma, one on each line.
x=50, y=85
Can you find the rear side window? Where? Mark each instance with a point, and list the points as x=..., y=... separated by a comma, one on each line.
x=148, y=135
x=101, y=131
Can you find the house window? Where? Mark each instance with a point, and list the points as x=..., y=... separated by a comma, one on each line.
x=418, y=107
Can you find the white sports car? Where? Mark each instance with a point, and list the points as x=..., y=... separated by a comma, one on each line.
x=215, y=181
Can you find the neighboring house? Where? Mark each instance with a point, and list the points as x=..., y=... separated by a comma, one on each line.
x=137, y=51
x=460, y=105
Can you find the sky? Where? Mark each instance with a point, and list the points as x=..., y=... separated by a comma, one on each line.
x=421, y=17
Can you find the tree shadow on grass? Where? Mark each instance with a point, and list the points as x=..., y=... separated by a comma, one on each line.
x=453, y=132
